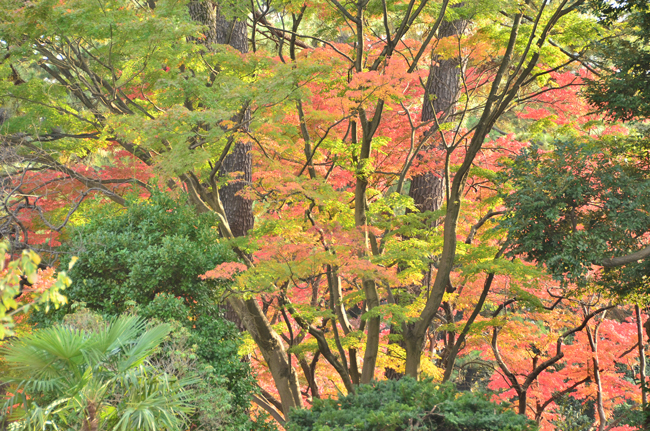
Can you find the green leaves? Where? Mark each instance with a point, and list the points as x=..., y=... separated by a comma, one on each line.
x=575, y=206
x=622, y=91
x=99, y=376
x=159, y=246
x=408, y=404
x=11, y=300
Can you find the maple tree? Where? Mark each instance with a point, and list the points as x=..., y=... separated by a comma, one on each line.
x=24, y=286
x=348, y=151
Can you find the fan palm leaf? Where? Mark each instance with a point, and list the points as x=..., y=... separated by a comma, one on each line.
x=102, y=376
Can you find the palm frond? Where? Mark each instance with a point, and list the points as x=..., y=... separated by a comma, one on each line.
x=144, y=346
x=50, y=353
x=120, y=331
x=107, y=369
x=152, y=401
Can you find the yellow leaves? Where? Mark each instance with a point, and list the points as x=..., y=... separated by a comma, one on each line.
x=448, y=48
x=45, y=287
x=429, y=369
x=415, y=308
x=448, y=297
x=247, y=346
x=393, y=357
x=410, y=276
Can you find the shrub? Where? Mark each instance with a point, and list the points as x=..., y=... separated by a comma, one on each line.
x=157, y=246
x=408, y=404
x=146, y=260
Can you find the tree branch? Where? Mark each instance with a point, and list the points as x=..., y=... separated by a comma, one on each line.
x=624, y=260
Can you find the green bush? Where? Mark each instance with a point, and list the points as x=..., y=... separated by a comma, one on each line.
x=157, y=246
x=166, y=306
x=146, y=260
x=408, y=404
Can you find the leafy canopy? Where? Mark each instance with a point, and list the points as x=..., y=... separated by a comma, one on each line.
x=154, y=246
x=580, y=203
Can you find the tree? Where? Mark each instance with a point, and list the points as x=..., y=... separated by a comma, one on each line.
x=65, y=377
x=408, y=404
x=442, y=91
x=152, y=247
x=147, y=258
x=335, y=128
x=584, y=222
x=621, y=91
x=597, y=215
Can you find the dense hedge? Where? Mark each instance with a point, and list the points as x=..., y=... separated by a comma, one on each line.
x=408, y=404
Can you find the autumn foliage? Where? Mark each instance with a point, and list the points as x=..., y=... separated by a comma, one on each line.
x=319, y=123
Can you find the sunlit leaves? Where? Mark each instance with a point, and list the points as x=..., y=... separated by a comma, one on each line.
x=42, y=288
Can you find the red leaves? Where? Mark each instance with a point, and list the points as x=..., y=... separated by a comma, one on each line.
x=225, y=271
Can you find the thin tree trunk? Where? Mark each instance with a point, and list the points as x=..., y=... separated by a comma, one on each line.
x=414, y=333
x=441, y=96
x=442, y=91
x=642, y=363
x=369, y=286
x=593, y=343
x=336, y=295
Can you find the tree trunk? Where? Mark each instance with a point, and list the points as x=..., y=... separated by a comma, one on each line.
x=272, y=348
x=220, y=31
x=642, y=364
x=592, y=336
x=642, y=367
x=239, y=210
x=441, y=95
x=602, y=418
x=523, y=400
x=239, y=214
x=428, y=189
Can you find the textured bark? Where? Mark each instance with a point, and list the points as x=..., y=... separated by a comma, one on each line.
x=239, y=210
x=218, y=30
x=239, y=215
x=221, y=31
x=428, y=191
x=441, y=95
x=443, y=84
